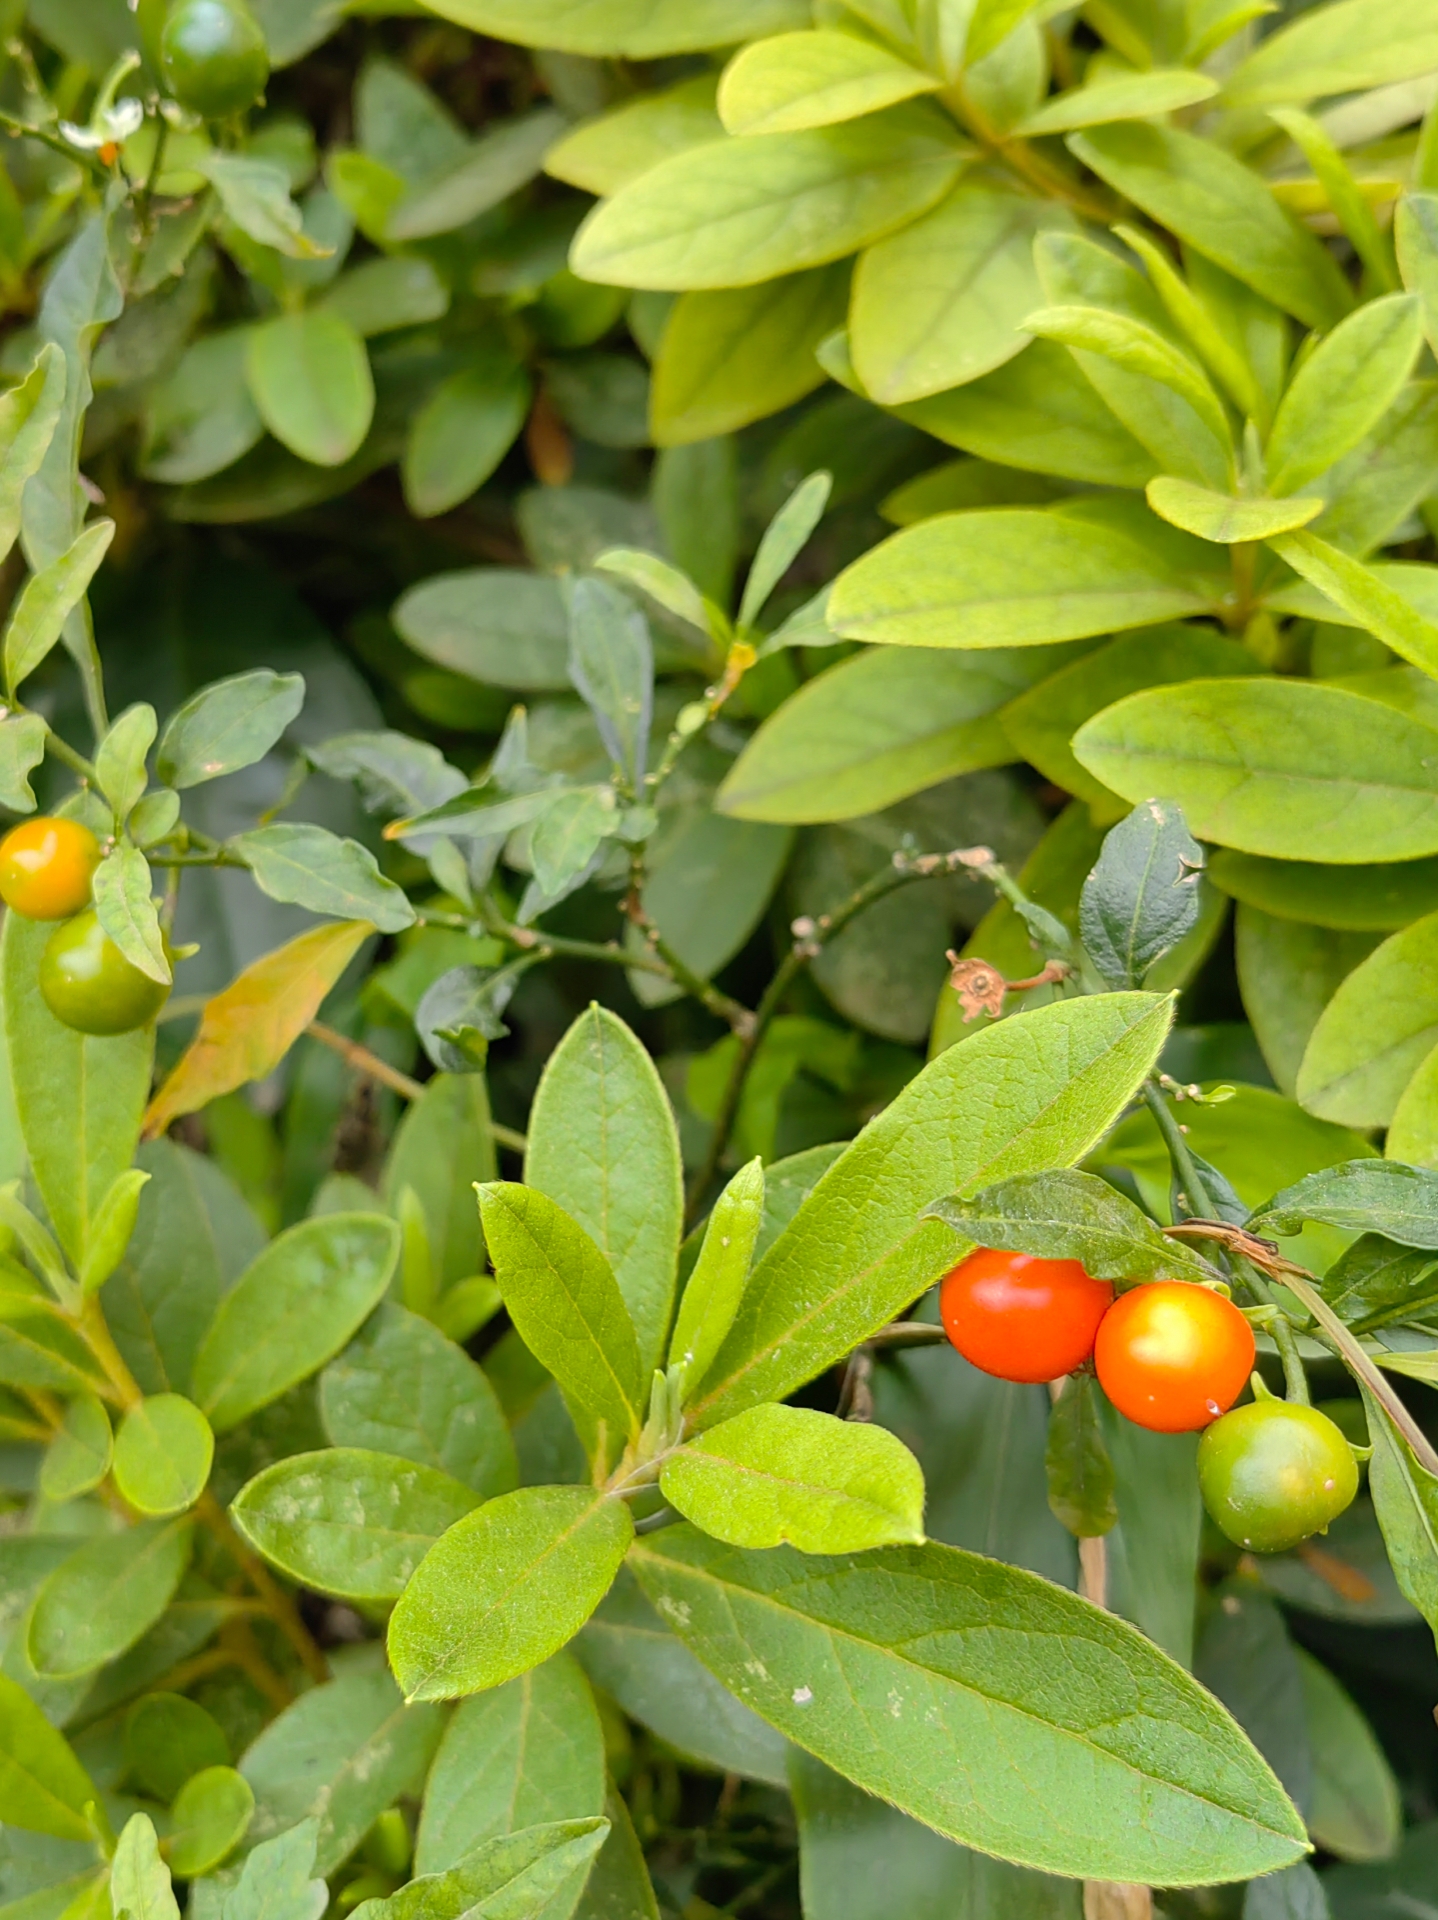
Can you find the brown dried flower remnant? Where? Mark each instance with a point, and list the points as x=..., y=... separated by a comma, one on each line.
x=982, y=988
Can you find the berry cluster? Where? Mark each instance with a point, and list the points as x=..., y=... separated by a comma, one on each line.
x=1171, y=1357
x=47, y=869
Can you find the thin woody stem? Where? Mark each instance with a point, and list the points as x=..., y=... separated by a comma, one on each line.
x=363, y=1061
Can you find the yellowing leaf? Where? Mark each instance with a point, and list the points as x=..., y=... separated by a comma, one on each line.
x=249, y=1028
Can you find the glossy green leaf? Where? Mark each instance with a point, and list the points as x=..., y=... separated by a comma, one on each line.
x=45, y=1788
x=1221, y=208
x=503, y=628
x=740, y=353
x=600, y=155
x=162, y=1454
x=1076, y=1461
x=1062, y=1215
x=47, y=600
x=1223, y=518
x=944, y=300
x=716, y=1283
x=1020, y=576
x=343, y=1752
x=114, y=1229
x=461, y=434
x=1290, y=769
x=22, y=748
x=1343, y=389
x=794, y=80
x=78, y=1458
x=310, y=378
x=1374, y=1032
x=1025, y=1094
x=782, y=541
x=1361, y=1196
x=735, y=212
x=602, y=1144
x=505, y=1589
x=878, y=727
x=563, y=1297
x=778, y=1475
x=1355, y=1810
x=1405, y=1497
x=292, y=1310
x=211, y=1815
x=1137, y=96
x=124, y=904
x=347, y=1521
x=507, y=1878
x=637, y=29
x=96, y=1604
x=1368, y=599
x=1337, y=49
x=948, y=1640
x=1377, y=1280
x=1142, y=897
x=1376, y=899
x=139, y=1879
x=227, y=725
x=521, y=1755
x=318, y=870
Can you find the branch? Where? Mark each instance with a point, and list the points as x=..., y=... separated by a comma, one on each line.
x=373, y=1068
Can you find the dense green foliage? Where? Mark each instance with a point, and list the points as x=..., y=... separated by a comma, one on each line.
x=719, y=648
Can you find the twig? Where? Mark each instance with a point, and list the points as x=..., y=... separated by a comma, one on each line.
x=731, y=1011
x=363, y=1061
x=18, y=128
x=278, y=1604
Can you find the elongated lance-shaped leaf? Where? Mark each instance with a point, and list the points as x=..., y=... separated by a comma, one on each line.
x=29, y=414
x=48, y=599
x=716, y=1284
x=942, y=1682
x=1076, y=1462
x=784, y=539
x=1066, y=1215
x=611, y=663
x=1143, y=895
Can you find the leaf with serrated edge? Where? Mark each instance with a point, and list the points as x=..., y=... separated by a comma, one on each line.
x=1026, y=1094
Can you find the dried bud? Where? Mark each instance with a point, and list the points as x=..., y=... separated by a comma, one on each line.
x=980, y=987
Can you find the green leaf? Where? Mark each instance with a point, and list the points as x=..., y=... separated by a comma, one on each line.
x=98, y=1603
x=114, y=1227
x=738, y=354
x=487, y=171
x=126, y=909
x=716, y=1284
x=316, y=869
x=292, y=1309
x=139, y=1879
x=274, y=1881
x=503, y=628
x=611, y=663
x=1041, y=414
x=510, y=1877
x=1071, y=1216
x=564, y=1299
x=255, y=194
x=862, y=1860
x=916, y=331
x=600, y=155
x=878, y=727
x=1223, y=518
x=29, y=415
x=44, y=1787
x=1355, y=1811
x=619, y=1887
x=22, y=748
x=461, y=433
x=1030, y=1093
x=1142, y=897
x=47, y=600
x=343, y=1752
x=78, y=1458
x=349, y=1522
x=1376, y=1030
x=120, y=757
x=229, y=724
x=79, y=1099
x=521, y=1755
x=795, y=80
x=1374, y=1279
x=169, y=1739
x=443, y=1144
x=1364, y=595
x=505, y=1589
x=602, y=1144
x=1361, y=1196
x=1343, y=389
x=709, y=880
x=402, y=1389
x=1221, y=208
x=310, y=378
x=1337, y=49
x=1415, y=233
x=1077, y=1465
x=783, y=540
x=1405, y=1498
x=920, y=1657
x=201, y=418
x=381, y=296
x=162, y=1454
x=734, y=212
x=629, y=1652
x=777, y=1475
x=673, y=590
x=635, y=29
x=211, y=1815
x=1137, y=96
x=1280, y=767
x=1022, y=576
